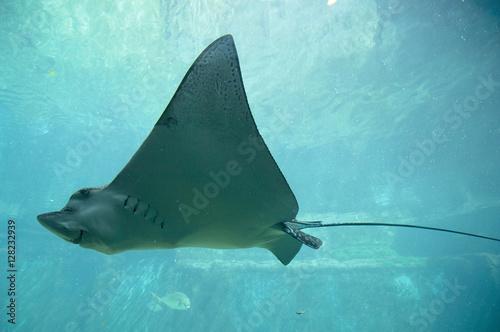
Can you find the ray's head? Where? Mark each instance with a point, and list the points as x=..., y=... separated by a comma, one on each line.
x=80, y=221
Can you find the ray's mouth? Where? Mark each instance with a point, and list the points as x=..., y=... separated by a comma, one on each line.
x=56, y=223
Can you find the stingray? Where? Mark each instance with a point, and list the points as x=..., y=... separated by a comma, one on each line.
x=202, y=178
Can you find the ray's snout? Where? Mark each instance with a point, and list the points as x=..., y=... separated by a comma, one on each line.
x=57, y=223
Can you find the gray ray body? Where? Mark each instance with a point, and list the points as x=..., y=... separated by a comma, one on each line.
x=202, y=178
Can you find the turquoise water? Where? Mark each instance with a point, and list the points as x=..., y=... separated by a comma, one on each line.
x=383, y=111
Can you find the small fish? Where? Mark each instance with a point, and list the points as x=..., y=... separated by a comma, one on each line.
x=174, y=300
x=300, y=312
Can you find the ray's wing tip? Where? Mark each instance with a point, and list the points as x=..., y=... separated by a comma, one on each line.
x=228, y=37
x=225, y=39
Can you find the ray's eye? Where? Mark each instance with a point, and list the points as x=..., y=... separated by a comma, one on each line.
x=84, y=192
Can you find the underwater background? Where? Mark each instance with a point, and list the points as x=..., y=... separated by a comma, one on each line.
x=375, y=111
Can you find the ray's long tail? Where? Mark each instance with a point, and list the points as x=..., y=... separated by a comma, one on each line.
x=294, y=227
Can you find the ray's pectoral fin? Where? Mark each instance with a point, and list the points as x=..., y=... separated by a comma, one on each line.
x=285, y=248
